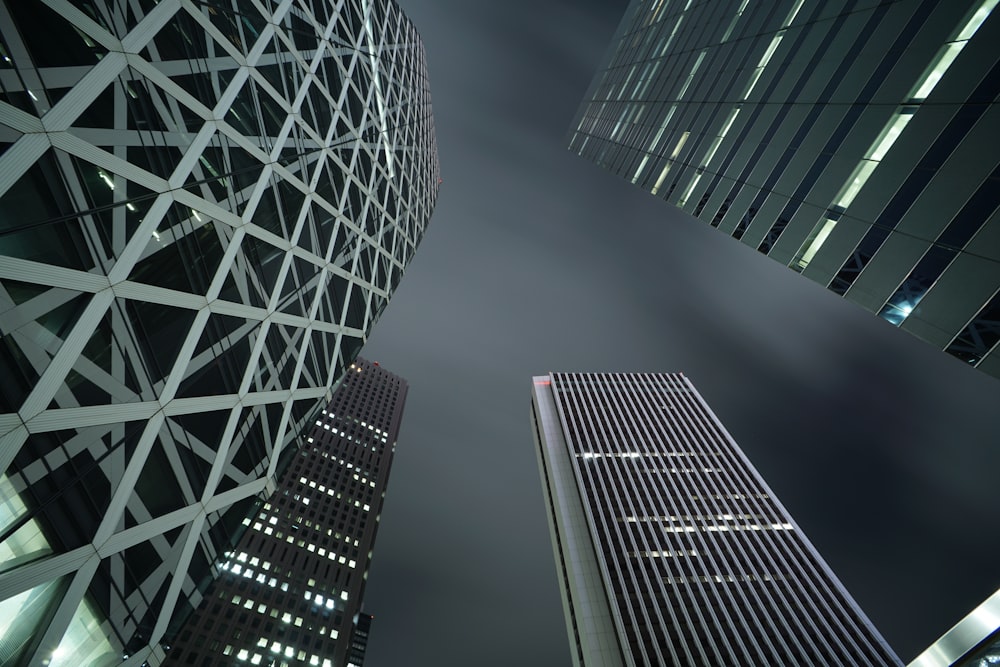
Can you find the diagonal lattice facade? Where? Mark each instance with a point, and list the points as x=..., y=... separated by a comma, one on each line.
x=204, y=208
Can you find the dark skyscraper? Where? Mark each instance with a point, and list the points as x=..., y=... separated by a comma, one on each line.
x=359, y=640
x=850, y=140
x=670, y=548
x=289, y=592
x=205, y=207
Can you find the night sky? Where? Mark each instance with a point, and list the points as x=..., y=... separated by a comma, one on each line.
x=884, y=449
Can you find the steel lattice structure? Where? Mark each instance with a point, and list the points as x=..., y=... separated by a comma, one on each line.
x=204, y=208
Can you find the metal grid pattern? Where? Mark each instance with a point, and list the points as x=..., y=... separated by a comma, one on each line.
x=700, y=562
x=204, y=208
x=293, y=585
x=848, y=140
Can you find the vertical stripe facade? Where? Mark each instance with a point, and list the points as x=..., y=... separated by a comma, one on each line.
x=850, y=140
x=698, y=561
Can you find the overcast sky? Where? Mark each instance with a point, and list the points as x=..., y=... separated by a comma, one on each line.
x=882, y=448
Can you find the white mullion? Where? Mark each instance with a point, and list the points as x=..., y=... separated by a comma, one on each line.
x=24, y=578
x=660, y=437
x=766, y=550
x=128, y=480
x=150, y=25
x=20, y=157
x=41, y=395
x=760, y=554
x=218, y=39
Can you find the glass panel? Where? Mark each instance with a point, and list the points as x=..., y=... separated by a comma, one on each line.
x=84, y=642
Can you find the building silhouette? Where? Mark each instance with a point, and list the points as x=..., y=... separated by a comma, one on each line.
x=670, y=548
x=850, y=141
x=204, y=209
x=290, y=592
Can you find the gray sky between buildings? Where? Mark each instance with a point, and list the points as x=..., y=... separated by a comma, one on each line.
x=884, y=449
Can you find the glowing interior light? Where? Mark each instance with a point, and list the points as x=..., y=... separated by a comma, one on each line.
x=106, y=179
x=977, y=20
x=722, y=135
x=946, y=56
x=694, y=70
x=689, y=190
x=814, y=242
x=732, y=24
x=889, y=136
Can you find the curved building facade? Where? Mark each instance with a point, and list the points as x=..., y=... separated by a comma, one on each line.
x=204, y=209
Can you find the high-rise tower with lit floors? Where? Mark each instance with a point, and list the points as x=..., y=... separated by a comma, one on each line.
x=291, y=590
x=670, y=549
x=850, y=140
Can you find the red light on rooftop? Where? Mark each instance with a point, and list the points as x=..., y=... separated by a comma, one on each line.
x=543, y=382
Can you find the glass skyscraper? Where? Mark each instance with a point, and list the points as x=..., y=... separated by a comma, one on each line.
x=204, y=208
x=851, y=140
x=290, y=592
x=670, y=548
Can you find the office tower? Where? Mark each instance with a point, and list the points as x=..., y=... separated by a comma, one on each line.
x=972, y=642
x=670, y=548
x=290, y=590
x=204, y=208
x=851, y=140
x=359, y=641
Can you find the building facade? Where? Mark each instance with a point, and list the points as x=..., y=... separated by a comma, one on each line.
x=670, y=548
x=849, y=140
x=972, y=642
x=359, y=640
x=290, y=591
x=204, y=209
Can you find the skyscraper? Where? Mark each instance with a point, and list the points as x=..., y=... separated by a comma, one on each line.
x=852, y=141
x=291, y=589
x=972, y=642
x=204, y=208
x=359, y=640
x=670, y=548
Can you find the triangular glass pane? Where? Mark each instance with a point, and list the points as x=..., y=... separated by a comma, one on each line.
x=218, y=368
x=355, y=317
x=241, y=24
x=160, y=331
x=75, y=48
x=248, y=454
x=300, y=283
x=84, y=643
x=162, y=486
x=26, y=613
x=279, y=357
x=225, y=173
x=27, y=346
x=254, y=273
x=185, y=252
x=64, y=481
